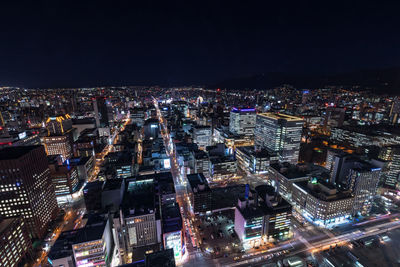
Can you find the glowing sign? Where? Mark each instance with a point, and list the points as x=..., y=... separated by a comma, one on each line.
x=167, y=164
x=174, y=240
x=22, y=135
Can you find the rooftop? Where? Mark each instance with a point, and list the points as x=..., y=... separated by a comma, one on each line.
x=198, y=179
x=280, y=116
x=15, y=152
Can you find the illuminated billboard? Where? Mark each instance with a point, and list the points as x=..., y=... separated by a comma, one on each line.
x=174, y=240
x=167, y=163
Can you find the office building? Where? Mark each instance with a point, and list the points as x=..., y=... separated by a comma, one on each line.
x=15, y=243
x=199, y=193
x=248, y=159
x=151, y=129
x=367, y=135
x=322, y=202
x=101, y=112
x=362, y=180
x=65, y=180
x=58, y=125
x=202, y=136
x=112, y=194
x=395, y=111
x=279, y=133
x=137, y=116
x=222, y=168
x=391, y=176
x=172, y=230
x=59, y=145
x=92, y=196
x=261, y=217
x=242, y=121
x=140, y=215
x=284, y=175
x=93, y=244
x=201, y=162
x=27, y=188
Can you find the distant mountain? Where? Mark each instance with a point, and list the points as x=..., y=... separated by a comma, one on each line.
x=384, y=81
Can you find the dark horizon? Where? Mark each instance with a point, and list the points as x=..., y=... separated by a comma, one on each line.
x=97, y=43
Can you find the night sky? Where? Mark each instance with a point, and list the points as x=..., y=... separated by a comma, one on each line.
x=89, y=43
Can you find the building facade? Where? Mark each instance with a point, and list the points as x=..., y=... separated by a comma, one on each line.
x=279, y=133
x=26, y=187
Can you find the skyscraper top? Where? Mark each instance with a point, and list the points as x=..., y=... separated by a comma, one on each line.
x=278, y=116
x=9, y=153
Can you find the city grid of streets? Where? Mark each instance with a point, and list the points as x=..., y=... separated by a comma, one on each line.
x=307, y=239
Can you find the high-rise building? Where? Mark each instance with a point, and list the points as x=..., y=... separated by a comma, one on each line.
x=59, y=125
x=14, y=241
x=261, y=217
x=242, y=121
x=93, y=244
x=279, y=133
x=392, y=173
x=27, y=188
x=65, y=180
x=199, y=193
x=59, y=145
x=101, y=112
x=394, y=115
x=362, y=180
x=321, y=202
x=202, y=136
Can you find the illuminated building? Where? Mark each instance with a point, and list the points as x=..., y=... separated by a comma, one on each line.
x=284, y=175
x=322, y=202
x=358, y=136
x=181, y=107
x=84, y=166
x=86, y=143
x=14, y=241
x=199, y=193
x=151, y=129
x=279, y=133
x=201, y=162
x=334, y=117
x=362, y=180
x=231, y=141
x=392, y=173
x=222, y=168
x=242, y=121
x=137, y=116
x=121, y=163
x=58, y=125
x=262, y=216
x=254, y=161
x=394, y=115
x=202, y=136
x=172, y=230
x=26, y=187
x=65, y=180
x=59, y=145
x=139, y=214
x=93, y=244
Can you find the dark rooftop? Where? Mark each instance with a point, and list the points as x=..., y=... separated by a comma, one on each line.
x=15, y=152
x=197, y=179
